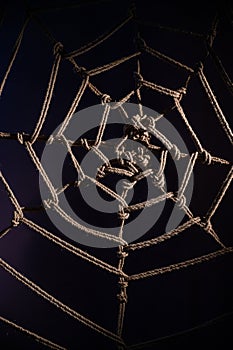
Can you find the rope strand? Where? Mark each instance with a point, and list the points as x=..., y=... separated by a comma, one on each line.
x=36, y=336
x=183, y=264
x=63, y=307
x=14, y=54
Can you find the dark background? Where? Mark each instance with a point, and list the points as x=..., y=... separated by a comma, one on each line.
x=159, y=306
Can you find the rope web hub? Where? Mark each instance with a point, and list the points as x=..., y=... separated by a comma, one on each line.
x=143, y=152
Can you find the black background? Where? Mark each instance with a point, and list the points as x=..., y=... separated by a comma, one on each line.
x=157, y=307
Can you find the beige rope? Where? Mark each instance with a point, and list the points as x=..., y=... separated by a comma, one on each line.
x=108, y=191
x=215, y=104
x=131, y=171
x=49, y=93
x=167, y=143
x=165, y=236
x=149, y=202
x=158, y=178
x=225, y=185
x=170, y=29
x=40, y=168
x=138, y=92
x=102, y=125
x=73, y=158
x=187, y=175
x=188, y=126
x=97, y=41
x=93, y=232
x=123, y=283
x=73, y=107
x=167, y=59
x=63, y=307
x=5, y=231
x=183, y=264
x=207, y=226
x=161, y=89
x=111, y=65
x=11, y=194
x=37, y=337
x=71, y=248
x=14, y=54
x=27, y=137
x=224, y=75
x=18, y=213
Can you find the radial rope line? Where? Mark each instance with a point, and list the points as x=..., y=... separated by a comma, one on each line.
x=14, y=54
x=49, y=93
x=215, y=104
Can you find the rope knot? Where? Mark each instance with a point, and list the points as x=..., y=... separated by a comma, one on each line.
x=84, y=143
x=122, y=297
x=136, y=119
x=138, y=78
x=206, y=224
x=58, y=48
x=199, y=67
x=48, y=203
x=82, y=71
x=175, y=152
x=137, y=133
x=105, y=98
x=77, y=183
x=132, y=9
x=142, y=157
x=123, y=283
x=101, y=172
x=150, y=122
x=182, y=91
x=145, y=137
x=206, y=157
x=180, y=201
x=131, y=131
x=58, y=138
x=127, y=185
x=51, y=139
x=129, y=156
x=17, y=218
x=20, y=138
x=159, y=180
x=141, y=44
x=122, y=254
x=123, y=216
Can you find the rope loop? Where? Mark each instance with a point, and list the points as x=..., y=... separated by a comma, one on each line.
x=138, y=78
x=199, y=67
x=20, y=138
x=159, y=180
x=123, y=215
x=175, y=152
x=105, y=98
x=180, y=201
x=17, y=218
x=58, y=48
x=122, y=254
x=206, y=157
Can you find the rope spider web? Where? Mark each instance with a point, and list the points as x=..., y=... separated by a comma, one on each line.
x=145, y=135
